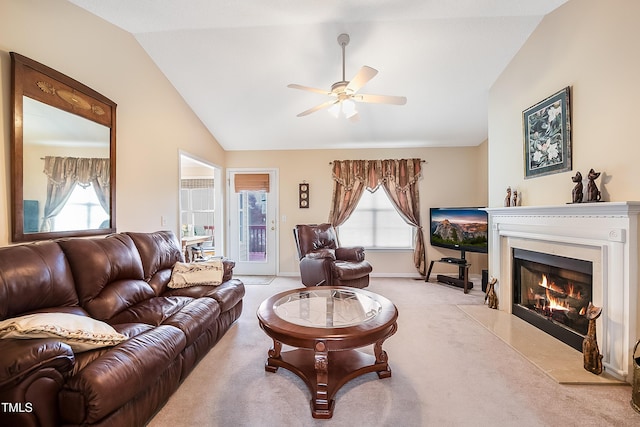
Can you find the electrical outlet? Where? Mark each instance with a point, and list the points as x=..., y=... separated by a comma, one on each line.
x=163, y=221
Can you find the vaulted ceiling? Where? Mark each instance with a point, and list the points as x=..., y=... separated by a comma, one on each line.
x=232, y=61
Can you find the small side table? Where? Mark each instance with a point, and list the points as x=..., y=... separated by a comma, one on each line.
x=189, y=241
x=462, y=281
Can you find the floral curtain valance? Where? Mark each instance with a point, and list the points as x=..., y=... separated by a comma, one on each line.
x=81, y=170
x=372, y=173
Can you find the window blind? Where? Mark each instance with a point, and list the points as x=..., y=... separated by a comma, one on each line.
x=251, y=182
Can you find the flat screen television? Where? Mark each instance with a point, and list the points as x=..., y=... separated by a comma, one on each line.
x=463, y=229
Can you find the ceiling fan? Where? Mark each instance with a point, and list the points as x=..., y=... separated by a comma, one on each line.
x=344, y=93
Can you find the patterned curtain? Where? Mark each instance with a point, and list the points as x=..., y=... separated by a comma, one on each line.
x=349, y=181
x=64, y=173
x=399, y=178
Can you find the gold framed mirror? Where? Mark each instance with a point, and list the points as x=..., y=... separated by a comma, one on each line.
x=63, y=155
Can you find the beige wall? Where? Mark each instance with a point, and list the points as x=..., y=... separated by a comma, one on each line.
x=592, y=46
x=154, y=124
x=451, y=177
x=153, y=121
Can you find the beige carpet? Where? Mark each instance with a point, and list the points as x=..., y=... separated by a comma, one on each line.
x=448, y=370
x=256, y=280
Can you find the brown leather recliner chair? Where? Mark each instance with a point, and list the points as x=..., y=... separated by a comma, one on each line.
x=324, y=263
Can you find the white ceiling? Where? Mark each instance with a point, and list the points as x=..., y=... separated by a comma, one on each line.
x=232, y=60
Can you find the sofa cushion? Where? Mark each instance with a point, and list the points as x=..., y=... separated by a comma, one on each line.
x=228, y=294
x=81, y=333
x=119, y=375
x=34, y=276
x=108, y=274
x=153, y=311
x=348, y=270
x=184, y=275
x=195, y=318
x=159, y=251
x=128, y=329
x=322, y=253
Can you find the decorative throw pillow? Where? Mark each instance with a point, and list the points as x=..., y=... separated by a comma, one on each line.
x=208, y=273
x=82, y=333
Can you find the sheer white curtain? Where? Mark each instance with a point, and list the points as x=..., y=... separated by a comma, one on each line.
x=64, y=173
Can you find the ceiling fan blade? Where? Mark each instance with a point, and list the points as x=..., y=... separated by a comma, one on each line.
x=309, y=89
x=380, y=99
x=317, y=107
x=364, y=75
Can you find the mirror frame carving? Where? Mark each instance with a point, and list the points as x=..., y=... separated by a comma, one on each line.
x=39, y=82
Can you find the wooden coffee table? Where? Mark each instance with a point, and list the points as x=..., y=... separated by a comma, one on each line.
x=327, y=325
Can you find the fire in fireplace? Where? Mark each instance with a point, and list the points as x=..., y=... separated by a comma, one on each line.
x=552, y=293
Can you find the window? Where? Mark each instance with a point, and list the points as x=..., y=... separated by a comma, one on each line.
x=197, y=202
x=375, y=223
x=82, y=211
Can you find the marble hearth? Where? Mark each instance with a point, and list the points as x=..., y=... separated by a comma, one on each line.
x=605, y=234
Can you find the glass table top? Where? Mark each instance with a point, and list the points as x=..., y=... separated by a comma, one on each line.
x=327, y=308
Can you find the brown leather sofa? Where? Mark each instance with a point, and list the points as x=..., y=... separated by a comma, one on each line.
x=120, y=280
x=324, y=263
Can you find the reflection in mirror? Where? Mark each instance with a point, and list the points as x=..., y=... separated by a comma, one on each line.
x=66, y=170
x=62, y=155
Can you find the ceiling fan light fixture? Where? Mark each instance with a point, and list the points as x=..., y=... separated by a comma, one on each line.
x=349, y=108
x=346, y=108
x=335, y=109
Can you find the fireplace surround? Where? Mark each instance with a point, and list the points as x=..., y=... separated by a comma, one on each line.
x=602, y=234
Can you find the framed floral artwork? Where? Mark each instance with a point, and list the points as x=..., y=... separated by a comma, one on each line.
x=547, y=136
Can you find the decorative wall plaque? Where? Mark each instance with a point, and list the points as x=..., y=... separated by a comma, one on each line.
x=303, y=195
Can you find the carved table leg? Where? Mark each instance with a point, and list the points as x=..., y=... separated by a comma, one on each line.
x=381, y=355
x=274, y=353
x=321, y=406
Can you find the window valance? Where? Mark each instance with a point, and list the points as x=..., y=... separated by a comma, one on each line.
x=372, y=173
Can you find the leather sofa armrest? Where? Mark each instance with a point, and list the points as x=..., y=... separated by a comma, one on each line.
x=353, y=253
x=228, y=266
x=20, y=358
x=32, y=373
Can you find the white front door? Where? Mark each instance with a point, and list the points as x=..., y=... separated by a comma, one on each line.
x=252, y=221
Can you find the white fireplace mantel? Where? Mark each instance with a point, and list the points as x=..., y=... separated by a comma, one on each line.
x=604, y=233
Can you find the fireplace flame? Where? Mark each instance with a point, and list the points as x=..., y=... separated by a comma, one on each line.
x=570, y=290
x=556, y=304
x=553, y=302
x=551, y=285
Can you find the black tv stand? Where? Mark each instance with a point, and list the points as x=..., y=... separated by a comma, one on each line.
x=462, y=281
x=452, y=260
